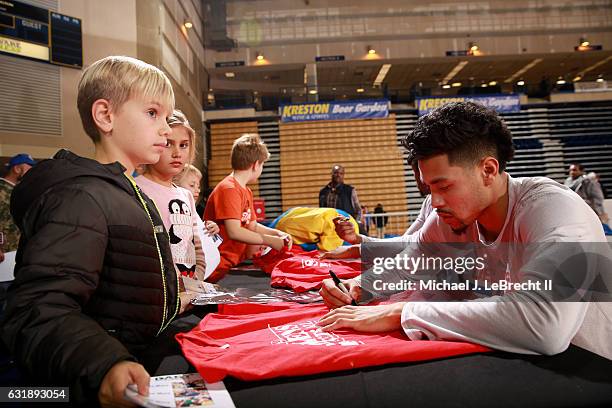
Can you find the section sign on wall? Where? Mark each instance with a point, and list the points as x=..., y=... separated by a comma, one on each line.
x=366, y=109
x=500, y=103
x=40, y=34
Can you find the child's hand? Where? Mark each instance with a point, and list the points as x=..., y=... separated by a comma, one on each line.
x=211, y=227
x=116, y=380
x=273, y=241
x=287, y=239
x=186, y=301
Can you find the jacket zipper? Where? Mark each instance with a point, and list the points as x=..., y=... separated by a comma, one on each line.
x=161, y=261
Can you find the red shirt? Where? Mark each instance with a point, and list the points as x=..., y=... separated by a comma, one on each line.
x=230, y=201
x=287, y=342
x=306, y=271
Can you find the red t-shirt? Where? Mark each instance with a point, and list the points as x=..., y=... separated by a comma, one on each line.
x=272, y=257
x=287, y=342
x=229, y=200
x=306, y=271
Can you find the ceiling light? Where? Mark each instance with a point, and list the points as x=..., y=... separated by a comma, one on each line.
x=584, y=42
x=312, y=91
x=577, y=78
x=599, y=80
x=521, y=83
x=456, y=84
x=360, y=90
x=188, y=24
x=259, y=56
x=229, y=75
x=371, y=50
x=446, y=86
x=561, y=82
x=483, y=85
x=493, y=83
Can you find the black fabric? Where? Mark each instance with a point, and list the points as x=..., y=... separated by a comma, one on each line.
x=345, y=198
x=89, y=288
x=575, y=378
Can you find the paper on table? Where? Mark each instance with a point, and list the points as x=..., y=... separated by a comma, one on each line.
x=210, y=245
x=181, y=390
x=7, y=267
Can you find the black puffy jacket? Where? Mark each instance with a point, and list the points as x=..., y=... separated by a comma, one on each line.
x=93, y=282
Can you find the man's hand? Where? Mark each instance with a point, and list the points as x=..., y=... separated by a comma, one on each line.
x=116, y=380
x=346, y=230
x=333, y=297
x=342, y=252
x=372, y=319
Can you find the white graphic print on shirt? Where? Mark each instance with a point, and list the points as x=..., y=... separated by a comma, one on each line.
x=308, y=334
x=181, y=237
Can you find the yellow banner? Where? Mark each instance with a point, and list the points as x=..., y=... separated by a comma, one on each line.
x=24, y=49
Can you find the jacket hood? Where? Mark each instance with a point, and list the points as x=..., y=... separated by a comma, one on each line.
x=64, y=166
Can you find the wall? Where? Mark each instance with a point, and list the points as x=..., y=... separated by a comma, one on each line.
x=108, y=29
x=145, y=29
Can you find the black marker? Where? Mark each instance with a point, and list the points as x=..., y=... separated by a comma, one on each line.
x=341, y=286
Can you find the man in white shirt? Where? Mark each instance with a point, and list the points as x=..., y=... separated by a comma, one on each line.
x=462, y=149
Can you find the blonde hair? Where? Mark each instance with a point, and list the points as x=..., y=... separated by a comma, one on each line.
x=117, y=79
x=177, y=119
x=189, y=169
x=248, y=149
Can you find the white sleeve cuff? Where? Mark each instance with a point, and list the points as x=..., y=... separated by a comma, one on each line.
x=412, y=333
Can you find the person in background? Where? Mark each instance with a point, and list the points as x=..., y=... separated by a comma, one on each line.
x=380, y=221
x=17, y=167
x=231, y=206
x=175, y=203
x=342, y=196
x=190, y=179
x=587, y=189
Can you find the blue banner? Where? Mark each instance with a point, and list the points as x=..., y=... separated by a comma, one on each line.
x=366, y=109
x=500, y=103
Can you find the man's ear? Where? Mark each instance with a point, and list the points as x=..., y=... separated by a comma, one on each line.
x=490, y=169
x=102, y=115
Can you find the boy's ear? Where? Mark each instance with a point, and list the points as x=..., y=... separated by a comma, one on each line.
x=102, y=115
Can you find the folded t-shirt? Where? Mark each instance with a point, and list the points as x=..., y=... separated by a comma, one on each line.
x=287, y=342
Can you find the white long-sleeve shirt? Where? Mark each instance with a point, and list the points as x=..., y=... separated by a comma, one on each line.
x=539, y=211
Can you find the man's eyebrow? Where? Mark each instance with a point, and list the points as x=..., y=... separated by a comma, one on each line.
x=437, y=180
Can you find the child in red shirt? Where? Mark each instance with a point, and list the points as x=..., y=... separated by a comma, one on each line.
x=230, y=205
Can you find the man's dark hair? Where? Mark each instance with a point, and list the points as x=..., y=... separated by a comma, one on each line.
x=465, y=131
x=578, y=166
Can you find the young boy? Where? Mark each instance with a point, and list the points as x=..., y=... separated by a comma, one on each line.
x=231, y=206
x=94, y=280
